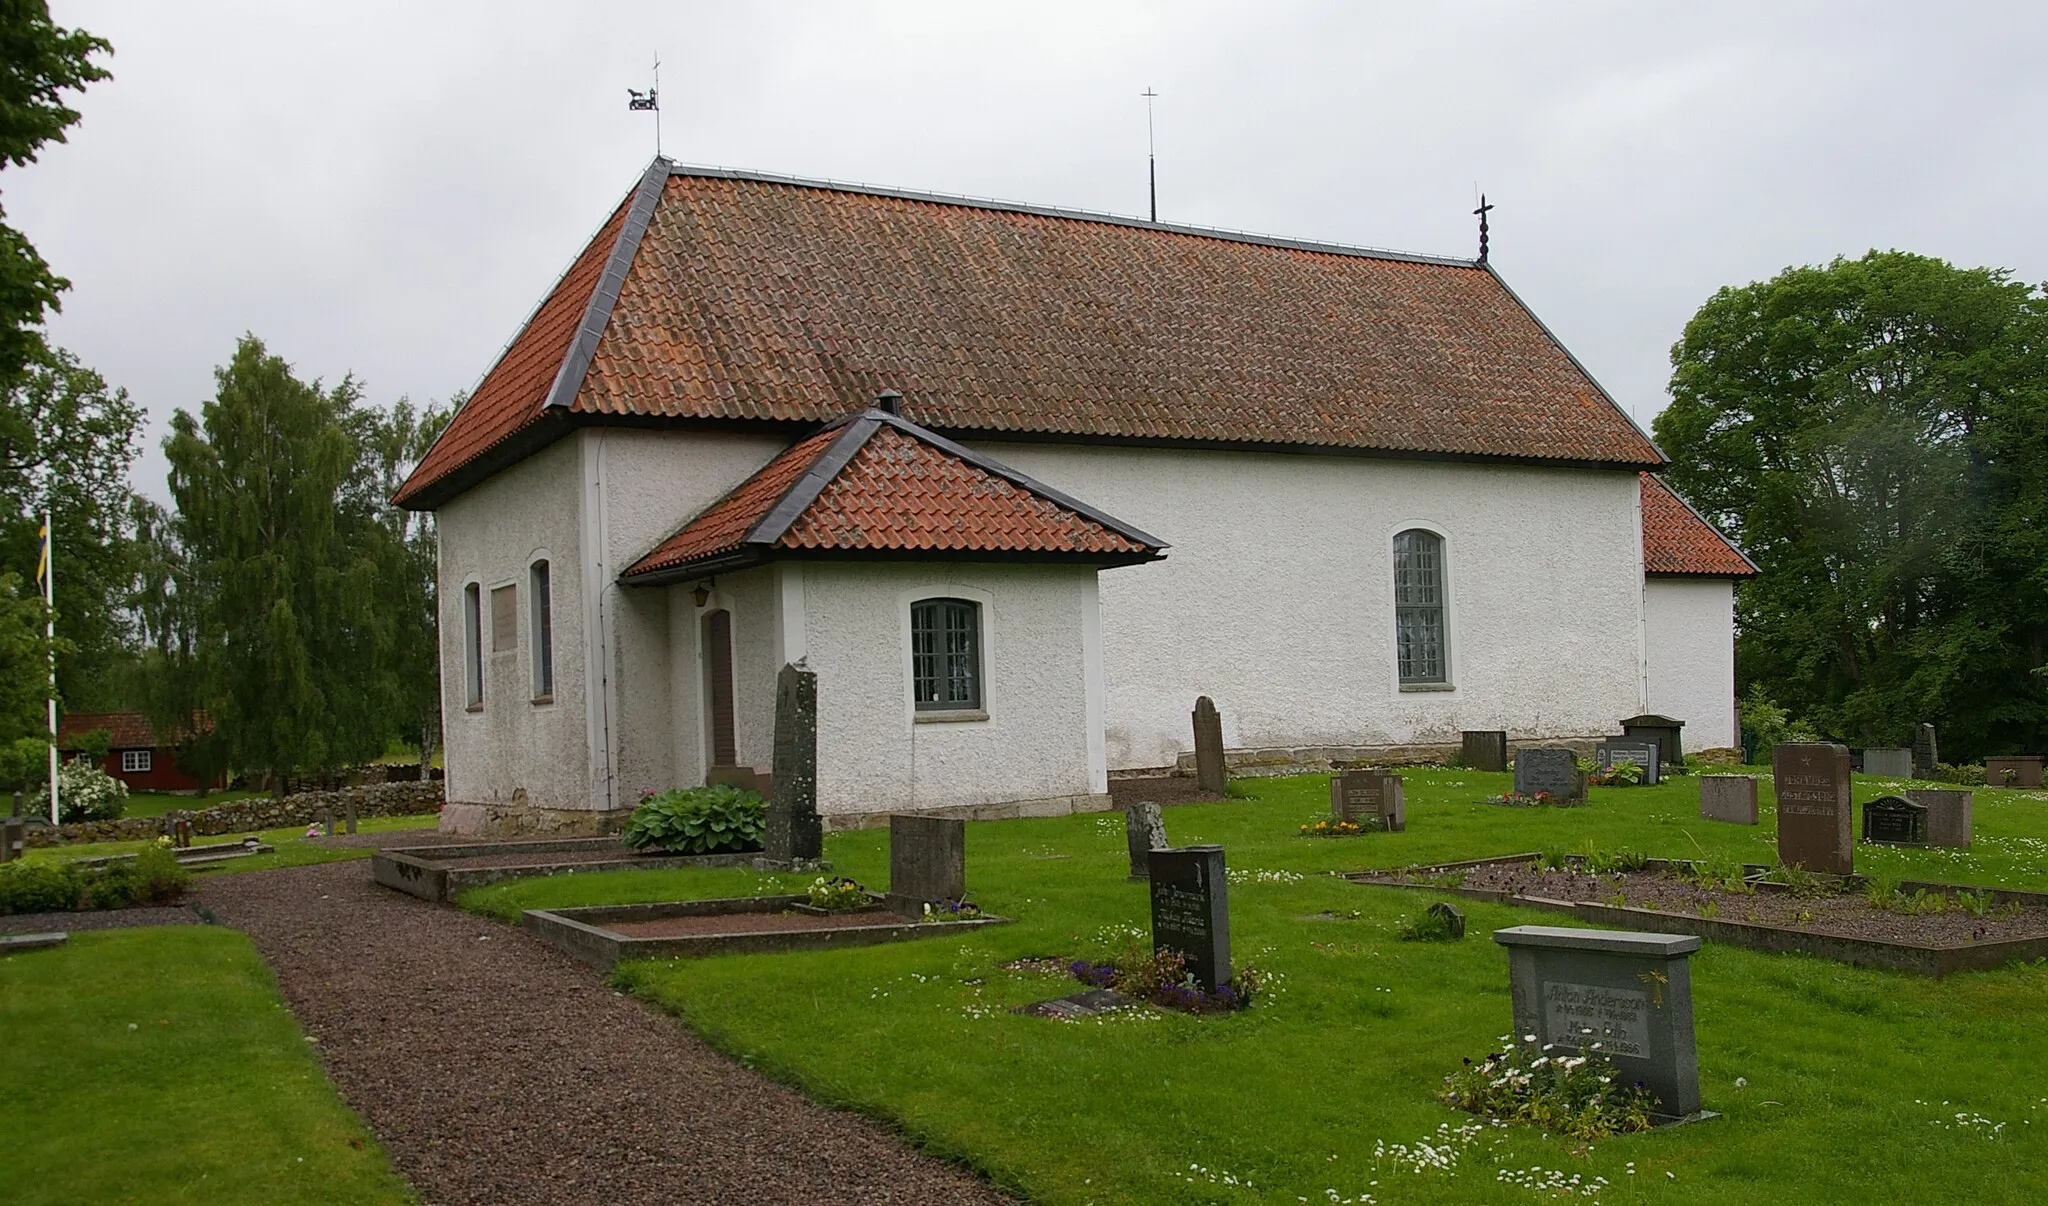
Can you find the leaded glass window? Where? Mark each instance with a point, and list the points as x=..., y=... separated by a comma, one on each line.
x=1420, y=645
x=945, y=654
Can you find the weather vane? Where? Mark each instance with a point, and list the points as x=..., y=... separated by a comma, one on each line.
x=649, y=101
x=1151, y=154
x=1481, y=211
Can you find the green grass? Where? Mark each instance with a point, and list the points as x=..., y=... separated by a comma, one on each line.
x=156, y=804
x=159, y=1065
x=1848, y=1073
x=293, y=848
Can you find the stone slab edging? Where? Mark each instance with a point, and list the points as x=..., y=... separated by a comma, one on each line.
x=581, y=932
x=423, y=871
x=1924, y=959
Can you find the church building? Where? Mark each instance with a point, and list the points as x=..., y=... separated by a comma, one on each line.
x=1018, y=484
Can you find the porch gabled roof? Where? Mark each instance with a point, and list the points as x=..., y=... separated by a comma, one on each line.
x=877, y=486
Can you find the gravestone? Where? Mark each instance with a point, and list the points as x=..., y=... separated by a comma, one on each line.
x=1890, y=763
x=1892, y=821
x=324, y=817
x=13, y=839
x=927, y=862
x=1210, y=774
x=1484, y=750
x=1630, y=753
x=1630, y=992
x=794, y=832
x=355, y=803
x=1925, y=755
x=1815, y=822
x=1369, y=799
x=1144, y=832
x=2020, y=771
x=1191, y=910
x=1451, y=915
x=181, y=831
x=1551, y=769
x=1730, y=798
x=1948, y=814
x=1663, y=730
x=1091, y=1004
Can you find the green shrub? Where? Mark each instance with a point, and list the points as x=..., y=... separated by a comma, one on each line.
x=1772, y=725
x=84, y=793
x=39, y=887
x=152, y=877
x=699, y=820
x=159, y=877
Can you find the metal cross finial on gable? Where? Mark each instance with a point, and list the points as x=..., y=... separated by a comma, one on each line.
x=1482, y=212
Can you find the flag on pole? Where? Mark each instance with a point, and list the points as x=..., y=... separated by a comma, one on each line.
x=43, y=557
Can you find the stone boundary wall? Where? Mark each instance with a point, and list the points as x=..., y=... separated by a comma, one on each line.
x=1323, y=760
x=253, y=814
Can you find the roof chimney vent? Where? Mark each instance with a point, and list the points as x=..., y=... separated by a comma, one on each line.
x=889, y=402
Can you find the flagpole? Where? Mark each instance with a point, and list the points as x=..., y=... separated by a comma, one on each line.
x=50, y=631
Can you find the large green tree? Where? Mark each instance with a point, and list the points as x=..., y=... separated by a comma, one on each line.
x=1871, y=432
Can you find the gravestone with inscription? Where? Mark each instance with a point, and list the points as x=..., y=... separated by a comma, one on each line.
x=1370, y=799
x=1890, y=763
x=794, y=832
x=1484, y=750
x=1633, y=753
x=2023, y=770
x=1210, y=774
x=1553, y=770
x=1144, y=832
x=1191, y=910
x=927, y=862
x=1629, y=992
x=1664, y=730
x=1730, y=798
x=1816, y=826
x=1948, y=814
x=1925, y=753
x=1892, y=821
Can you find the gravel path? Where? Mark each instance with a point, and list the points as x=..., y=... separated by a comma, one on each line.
x=499, y=1070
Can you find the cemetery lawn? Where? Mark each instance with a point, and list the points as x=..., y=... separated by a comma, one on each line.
x=294, y=849
x=160, y=1065
x=1834, y=1083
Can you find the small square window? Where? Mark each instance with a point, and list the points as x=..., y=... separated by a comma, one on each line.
x=945, y=655
x=135, y=761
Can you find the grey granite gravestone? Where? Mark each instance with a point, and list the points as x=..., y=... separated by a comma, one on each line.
x=2022, y=770
x=1633, y=753
x=794, y=833
x=1925, y=753
x=13, y=839
x=1484, y=750
x=927, y=862
x=1816, y=826
x=355, y=801
x=1144, y=832
x=1191, y=910
x=1663, y=730
x=1892, y=821
x=324, y=817
x=1948, y=814
x=1211, y=775
x=1371, y=799
x=1628, y=992
x=1890, y=763
x=1730, y=798
x=1553, y=770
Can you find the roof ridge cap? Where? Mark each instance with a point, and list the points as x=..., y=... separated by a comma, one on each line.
x=776, y=521
x=604, y=296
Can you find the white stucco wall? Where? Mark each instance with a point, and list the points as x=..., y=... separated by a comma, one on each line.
x=490, y=535
x=1689, y=647
x=1276, y=598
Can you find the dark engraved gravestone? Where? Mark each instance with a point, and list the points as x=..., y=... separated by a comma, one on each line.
x=13, y=838
x=1091, y=1004
x=1661, y=729
x=1890, y=763
x=794, y=832
x=927, y=862
x=1815, y=822
x=1630, y=753
x=1730, y=798
x=1484, y=750
x=1892, y=821
x=2019, y=771
x=1144, y=832
x=1210, y=774
x=1629, y=992
x=1549, y=769
x=1191, y=910
x=1948, y=815
x=1369, y=799
x=1925, y=753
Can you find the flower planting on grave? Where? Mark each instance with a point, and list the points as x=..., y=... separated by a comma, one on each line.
x=151, y=877
x=720, y=819
x=1337, y=829
x=1578, y=1094
x=1622, y=774
x=1162, y=978
x=838, y=893
x=950, y=910
x=1537, y=799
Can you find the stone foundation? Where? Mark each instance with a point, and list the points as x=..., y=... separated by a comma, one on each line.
x=1328, y=759
x=520, y=820
x=1009, y=810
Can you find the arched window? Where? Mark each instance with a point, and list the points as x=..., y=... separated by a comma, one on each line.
x=541, y=610
x=945, y=655
x=1421, y=644
x=473, y=645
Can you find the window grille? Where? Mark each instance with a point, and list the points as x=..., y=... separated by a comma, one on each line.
x=541, y=604
x=1419, y=636
x=945, y=654
x=135, y=761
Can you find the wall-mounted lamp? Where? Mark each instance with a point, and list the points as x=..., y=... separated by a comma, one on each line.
x=703, y=592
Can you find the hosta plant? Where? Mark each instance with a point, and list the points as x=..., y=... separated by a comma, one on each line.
x=699, y=820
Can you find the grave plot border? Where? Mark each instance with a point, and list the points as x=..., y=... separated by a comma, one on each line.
x=1933, y=961
x=423, y=871
x=582, y=932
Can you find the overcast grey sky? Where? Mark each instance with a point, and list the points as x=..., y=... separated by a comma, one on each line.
x=388, y=188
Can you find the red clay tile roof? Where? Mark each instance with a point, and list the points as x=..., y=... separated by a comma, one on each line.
x=877, y=484
x=1677, y=541
x=130, y=730
x=765, y=301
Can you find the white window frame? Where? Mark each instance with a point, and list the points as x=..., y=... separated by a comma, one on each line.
x=985, y=650
x=136, y=762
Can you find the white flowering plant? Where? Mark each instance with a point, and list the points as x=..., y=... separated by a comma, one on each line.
x=84, y=793
x=1574, y=1093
